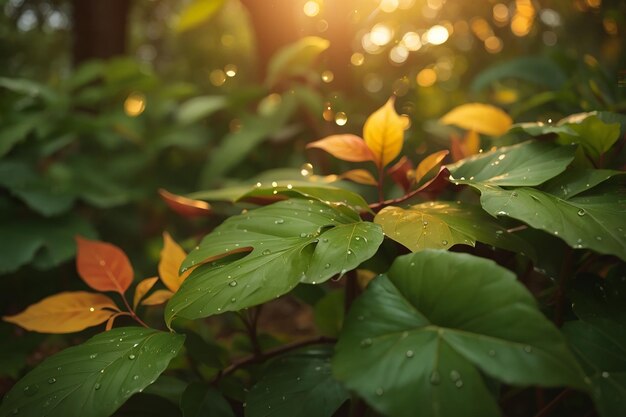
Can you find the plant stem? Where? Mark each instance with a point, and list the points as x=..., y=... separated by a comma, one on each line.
x=132, y=313
x=248, y=360
x=381, y=178
x=552, y=404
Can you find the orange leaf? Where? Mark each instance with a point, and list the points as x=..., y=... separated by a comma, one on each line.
x=142, y=289
x=172, y=256
x=111, y=319
x=471, y=143
x=66, y=312
x=429, y=163
x=349, y=148
x=157, y=297
x=360, y=176
x=104, y=267
x=401, y=173
x=384, y=133
x=184, y=206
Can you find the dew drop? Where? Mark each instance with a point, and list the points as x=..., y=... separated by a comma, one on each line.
x=410, y=353
x=93, y=356
x=327, y=266
x=379, y=391
x=232, y=300
x=52, y=380
x=502, y=213
x=135, y=377
x=455, y=375
x=366, y=342
x=31, y=390
x=279, y=221
x=303, y=234
x=350, y=252
x=598, y=238
x=581, y=212
x=458, y=383
x=444, y=242
x=131, y=356
x=528, y=349
x=605, y=374
x=265, y=252
x=435, y=379
x=325, y=240
x=514, y=194
x=232, y=283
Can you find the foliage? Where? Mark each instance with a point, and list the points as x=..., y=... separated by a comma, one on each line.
x=447, y=331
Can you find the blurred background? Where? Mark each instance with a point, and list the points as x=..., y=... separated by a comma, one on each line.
x=102, y=103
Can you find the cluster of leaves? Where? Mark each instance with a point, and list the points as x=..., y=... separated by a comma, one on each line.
x=449, y=333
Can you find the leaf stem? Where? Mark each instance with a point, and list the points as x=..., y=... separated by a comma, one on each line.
x=132, y=312
x=381, y=178
x=552, y=404
x=251, y=359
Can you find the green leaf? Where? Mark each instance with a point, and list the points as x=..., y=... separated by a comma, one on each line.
x=294, y=189
x=95, y=378
x=328, y=313
x=575, y=181
x=595, y=136
x=198, y=108
x=441, y=225
x=297, y=385
x=593, y=220
x=28, y=88
x=196, y=13
x=602, y=353
x=525, y=164
x=200, y=400
x=34, y=190
x=45, y=242
x=254, y=130
x=536, y=70
x=296, y=58
x=423, y=335
x=286, y=243
x=167, y=387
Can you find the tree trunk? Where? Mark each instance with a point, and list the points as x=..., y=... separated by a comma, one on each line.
x=99, y=29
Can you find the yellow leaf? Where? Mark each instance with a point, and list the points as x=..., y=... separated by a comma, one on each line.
x=429, y=163
x=384, y=133
x=482, y=118
x=471, y=143
x=196, y=13
x=66, y=312
x=157, y=297
x=360, y=176
x=172, y=256
x=142, y=289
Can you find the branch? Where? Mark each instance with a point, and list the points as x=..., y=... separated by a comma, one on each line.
x=552, y=405
x=249, y=360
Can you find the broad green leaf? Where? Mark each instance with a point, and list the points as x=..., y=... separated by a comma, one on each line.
x=196, y=13
x=421, y=337
x=28, y=88
x=200, y=400
x=198, y=108
x=595, y=136
x=66, y=312
x=575, y=181
x=478, y=117
x=593, y=220
x=540, y=128
x=168, y=387
x=95, y=378
x=278, y=190
x=536, y=70
x=383, y=133
x=602, y=354
x=297, y=385
x=43, y=242
x=525, y=164
x=286, y=243
x=14, y=133
x=295, y=58
x=441, y=225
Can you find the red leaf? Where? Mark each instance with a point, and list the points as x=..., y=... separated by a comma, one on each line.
x=400, y=173
x=104, y=267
